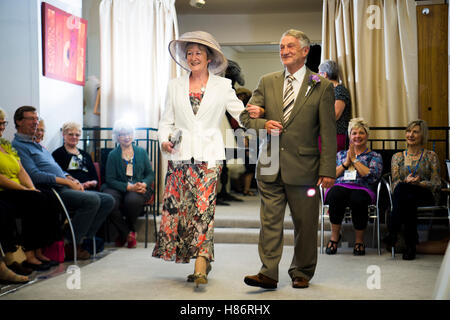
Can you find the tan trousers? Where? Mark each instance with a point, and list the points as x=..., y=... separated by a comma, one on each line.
x=305, y=216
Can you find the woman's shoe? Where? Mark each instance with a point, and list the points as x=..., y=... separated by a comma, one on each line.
x=410, y=253
x=200, y=278
x=52, y=263
x=132, y=240
x=120, y=242
x=359, y=249
x=36, y=267
x=332, y=246
x=20, y=269
x=191, y=277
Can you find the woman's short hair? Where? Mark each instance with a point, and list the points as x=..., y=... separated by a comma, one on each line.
x=121, y=127
x=422, y=124
x=2, y=114
x=331, y=68
x=70, y=126
x=356, y=123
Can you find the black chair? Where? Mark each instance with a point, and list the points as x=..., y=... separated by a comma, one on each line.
x=441, y=211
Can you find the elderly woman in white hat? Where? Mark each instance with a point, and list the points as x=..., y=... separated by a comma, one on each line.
x=190, y=136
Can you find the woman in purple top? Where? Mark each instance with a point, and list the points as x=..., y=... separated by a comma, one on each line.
x=356, y=170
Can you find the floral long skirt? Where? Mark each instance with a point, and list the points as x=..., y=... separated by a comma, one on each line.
x=187, y=221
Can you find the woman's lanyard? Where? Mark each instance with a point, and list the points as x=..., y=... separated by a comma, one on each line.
x=129, y=168
x=417, y=165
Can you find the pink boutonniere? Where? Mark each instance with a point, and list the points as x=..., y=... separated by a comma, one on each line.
x=314, y=79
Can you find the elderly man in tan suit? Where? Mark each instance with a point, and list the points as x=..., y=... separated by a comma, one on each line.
x=295, y=106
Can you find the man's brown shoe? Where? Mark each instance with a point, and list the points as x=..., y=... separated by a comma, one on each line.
x=260, y=280
x=300, y=283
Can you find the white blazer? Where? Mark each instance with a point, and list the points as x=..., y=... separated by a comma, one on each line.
x=202, y=138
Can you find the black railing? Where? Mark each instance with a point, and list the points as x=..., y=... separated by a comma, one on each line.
x=400, y=143
x=93, y=143
x=97, y=139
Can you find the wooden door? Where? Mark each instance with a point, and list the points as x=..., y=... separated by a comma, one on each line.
x=432, y=36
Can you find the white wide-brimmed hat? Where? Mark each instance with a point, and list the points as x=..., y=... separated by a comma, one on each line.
x=177, y=49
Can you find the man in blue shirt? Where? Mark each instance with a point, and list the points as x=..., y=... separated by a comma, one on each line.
x=89, y=209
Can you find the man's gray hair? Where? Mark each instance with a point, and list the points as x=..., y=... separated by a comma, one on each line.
x=121, y=127
x=331, y=68
x=300, y=35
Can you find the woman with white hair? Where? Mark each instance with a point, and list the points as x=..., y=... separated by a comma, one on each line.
x=128, y=178
x=357, y=169
x=190, y=135
x=74, y=161
x=415, y=182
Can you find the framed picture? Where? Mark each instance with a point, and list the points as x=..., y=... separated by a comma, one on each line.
x=63, y=45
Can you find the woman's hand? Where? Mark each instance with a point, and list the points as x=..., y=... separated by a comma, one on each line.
x=90, y=184
x=351, y=155
x=139, y=187
x=167, y=146
x=255, y=111
x=411, y=179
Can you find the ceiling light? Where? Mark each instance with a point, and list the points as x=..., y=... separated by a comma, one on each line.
x=197, y=3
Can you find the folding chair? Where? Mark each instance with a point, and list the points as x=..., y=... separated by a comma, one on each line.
x=373, y=212
x=71, y=229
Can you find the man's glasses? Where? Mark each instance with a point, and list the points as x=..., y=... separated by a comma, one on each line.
x=3, y=123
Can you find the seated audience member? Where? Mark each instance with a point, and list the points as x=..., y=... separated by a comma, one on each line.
x=342, y=105
x=40, y=132
x=128, y=178
x=38, y=210
x=415, y=182
x=356, y=170
x=74, y=161
x=89, y=209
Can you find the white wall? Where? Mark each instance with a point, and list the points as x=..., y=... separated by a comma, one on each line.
x=253, y=64
x=19, y=83
x=256, y=28
x=22, y=81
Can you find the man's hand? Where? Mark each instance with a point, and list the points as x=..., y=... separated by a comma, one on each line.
x=75, y=185
x=167, y=147
x=273, y=127
x=326, y=182
x=255, y=111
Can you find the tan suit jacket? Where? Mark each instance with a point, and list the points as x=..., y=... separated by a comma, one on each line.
x=313, y=114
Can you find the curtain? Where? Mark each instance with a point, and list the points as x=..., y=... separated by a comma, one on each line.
x=374, y=43
x=135, y=63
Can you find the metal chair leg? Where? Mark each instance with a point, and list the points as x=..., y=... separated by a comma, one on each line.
x=154, y=224
x=146, y=226
x=70, y=225
x=94, y=247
